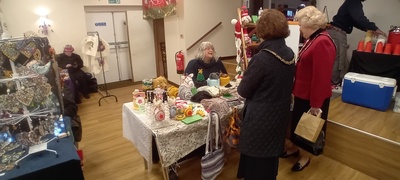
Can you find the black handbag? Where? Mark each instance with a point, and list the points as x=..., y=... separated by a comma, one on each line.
x=316, y=148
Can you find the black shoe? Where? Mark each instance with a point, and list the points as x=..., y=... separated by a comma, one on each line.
x=299, y=167
x=86, y=96
x=286, y=155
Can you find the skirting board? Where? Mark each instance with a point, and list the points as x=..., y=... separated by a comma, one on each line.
x=363, y=151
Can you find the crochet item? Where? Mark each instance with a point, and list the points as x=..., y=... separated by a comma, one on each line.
x=200, y=95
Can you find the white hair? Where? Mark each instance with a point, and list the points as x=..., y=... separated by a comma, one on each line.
x=203, y=46
x=311, y=17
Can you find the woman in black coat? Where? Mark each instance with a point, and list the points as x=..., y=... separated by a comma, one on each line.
x=267, y=86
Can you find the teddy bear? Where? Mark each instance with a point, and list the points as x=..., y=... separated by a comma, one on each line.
x=172, y=91
x=160, y=82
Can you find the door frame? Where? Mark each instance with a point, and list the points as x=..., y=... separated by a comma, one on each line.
x=96, y=9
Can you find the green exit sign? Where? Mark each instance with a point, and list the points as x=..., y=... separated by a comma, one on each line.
x=114, y=1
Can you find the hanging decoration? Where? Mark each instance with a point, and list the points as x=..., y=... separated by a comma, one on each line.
x=156, y=9
x=44, y=29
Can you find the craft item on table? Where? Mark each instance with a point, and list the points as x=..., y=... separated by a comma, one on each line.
x=200, y=95
x=172, y=112
x=185, y=89
x=160, y=82
x=192, y=119
x=212, y=90
x=28, y=49
x=213, y=80
x=159, y=113
x=147, y=84
x=216, y=104
x=172, y=91
x=224, y=79
x=9, y=49
x=159, y=94
x=199, y=110
x=36, y=67
x=189, y=111
x=138, y=98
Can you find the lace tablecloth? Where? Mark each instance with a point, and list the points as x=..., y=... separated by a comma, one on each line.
x=174, y=139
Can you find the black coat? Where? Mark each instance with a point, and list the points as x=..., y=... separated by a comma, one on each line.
x=267, y=86
x=351, y=14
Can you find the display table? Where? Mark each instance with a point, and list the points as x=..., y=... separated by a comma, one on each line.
x=45, y=165
x=376, y=64
x=174, y=139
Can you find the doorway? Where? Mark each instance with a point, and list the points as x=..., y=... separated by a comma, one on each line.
x=112, y=27
x=161, y=53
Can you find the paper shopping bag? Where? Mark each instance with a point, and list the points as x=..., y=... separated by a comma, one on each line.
x=309, y=126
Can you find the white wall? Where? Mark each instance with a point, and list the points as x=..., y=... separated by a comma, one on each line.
x=66, y=18
x=383, y=13
x=193, y=20
x=105, y=2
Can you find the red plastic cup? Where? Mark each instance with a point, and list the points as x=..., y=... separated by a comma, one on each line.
x=397, y=50
x=387, y=49
x=379, y=48
x=360, y=46
x=368, y=47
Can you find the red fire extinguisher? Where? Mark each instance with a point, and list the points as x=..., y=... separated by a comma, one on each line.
x=180, y=62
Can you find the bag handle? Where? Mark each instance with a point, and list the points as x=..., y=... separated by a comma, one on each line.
x=210, y=134
x=318, y=115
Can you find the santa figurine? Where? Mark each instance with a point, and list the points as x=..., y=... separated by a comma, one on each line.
x=245, y=18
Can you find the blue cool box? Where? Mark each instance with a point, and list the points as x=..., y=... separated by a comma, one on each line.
x=369, y=91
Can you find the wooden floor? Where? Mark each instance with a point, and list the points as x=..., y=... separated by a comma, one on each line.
x=109, y=156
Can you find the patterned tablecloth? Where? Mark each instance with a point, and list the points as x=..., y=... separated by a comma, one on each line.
x=174, y=139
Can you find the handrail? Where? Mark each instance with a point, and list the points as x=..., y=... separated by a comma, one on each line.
x=212, y=29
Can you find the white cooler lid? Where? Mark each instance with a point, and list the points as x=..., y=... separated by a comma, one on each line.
x=356, y=77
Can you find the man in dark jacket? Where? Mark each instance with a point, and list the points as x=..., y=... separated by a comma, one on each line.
x=349, y=15
x=73, y=62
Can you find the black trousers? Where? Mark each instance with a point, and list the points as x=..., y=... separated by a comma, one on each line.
x=80, y=81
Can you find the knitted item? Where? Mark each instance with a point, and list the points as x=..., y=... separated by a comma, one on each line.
x=185, y=92
x=216, y=104
x=200, y=96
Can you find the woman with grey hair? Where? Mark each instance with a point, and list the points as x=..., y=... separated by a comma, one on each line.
x=205, y=62
x=312, y=86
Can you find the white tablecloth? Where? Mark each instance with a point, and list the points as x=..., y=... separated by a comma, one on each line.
x=174, y=139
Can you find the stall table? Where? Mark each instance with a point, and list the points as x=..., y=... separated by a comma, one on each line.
x=383, y=65
x=173, y=139
x=45, y=165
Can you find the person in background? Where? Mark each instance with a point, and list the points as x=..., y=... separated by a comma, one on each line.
x=267, y=86
x=349, y=15
x=73, y=62
x=205, y=61
x=312, y=87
